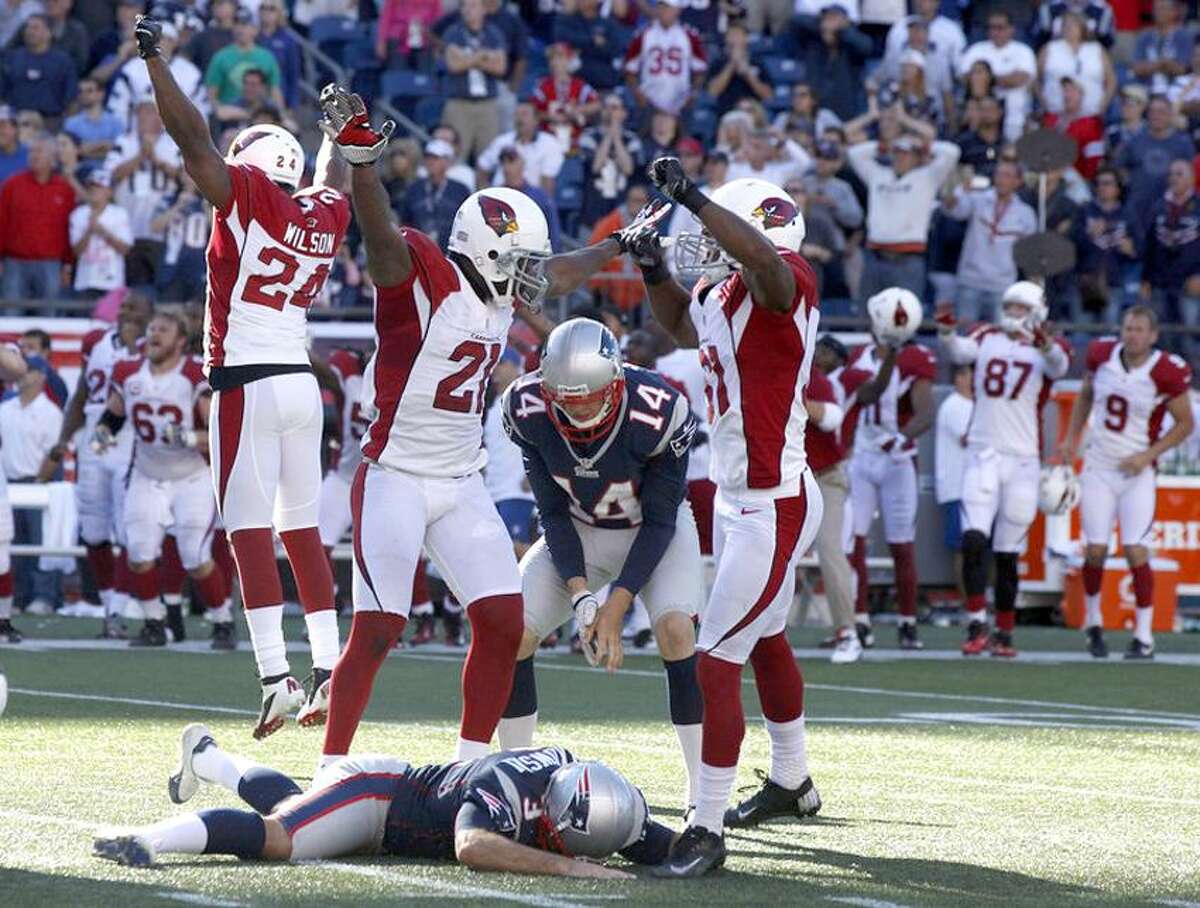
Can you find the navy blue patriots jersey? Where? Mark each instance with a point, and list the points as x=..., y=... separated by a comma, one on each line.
x=634, y=476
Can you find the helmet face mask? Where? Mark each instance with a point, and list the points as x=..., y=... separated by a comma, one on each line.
x=504, y=235
x=525, y=270
x=699, y=255
x=1023, y=308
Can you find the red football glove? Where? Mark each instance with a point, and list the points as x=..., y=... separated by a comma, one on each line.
x=345, y=121
x=945, y=318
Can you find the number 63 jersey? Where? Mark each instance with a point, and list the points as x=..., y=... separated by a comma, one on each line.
x=436, y=345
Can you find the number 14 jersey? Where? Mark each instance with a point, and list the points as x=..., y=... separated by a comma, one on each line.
x=436, y=344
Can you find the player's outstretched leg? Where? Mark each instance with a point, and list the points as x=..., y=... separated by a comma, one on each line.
x=314, y=585
x=202, y=761
x=497, y=624
x=974, y=550
x=372, y=636
x=519, y=721
x=237, y=832
x=1093, y=578
x=787, y=790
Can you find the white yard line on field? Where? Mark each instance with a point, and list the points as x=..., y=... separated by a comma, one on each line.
x=195, y=898
x=863, y=902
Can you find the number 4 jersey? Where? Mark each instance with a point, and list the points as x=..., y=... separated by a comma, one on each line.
x=436, y=343
x=268, y=258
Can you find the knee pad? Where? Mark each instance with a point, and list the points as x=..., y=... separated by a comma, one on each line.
x=523, y=699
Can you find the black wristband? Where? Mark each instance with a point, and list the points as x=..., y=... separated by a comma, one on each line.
x=112, y=420
x=655, y=274
x=693, y=200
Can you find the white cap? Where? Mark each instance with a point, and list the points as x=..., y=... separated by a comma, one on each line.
x=439, y=148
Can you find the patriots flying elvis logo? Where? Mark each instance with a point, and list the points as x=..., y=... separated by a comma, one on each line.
x=775, y=212
x=498, y=215
x=580, y=808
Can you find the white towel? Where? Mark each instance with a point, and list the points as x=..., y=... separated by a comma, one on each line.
x=60, y=526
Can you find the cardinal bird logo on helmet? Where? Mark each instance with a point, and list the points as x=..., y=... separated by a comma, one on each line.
x=498, y=215
x=901, y=316
x=775, y=212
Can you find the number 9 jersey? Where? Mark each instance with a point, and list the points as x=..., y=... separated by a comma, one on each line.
x=268, y=257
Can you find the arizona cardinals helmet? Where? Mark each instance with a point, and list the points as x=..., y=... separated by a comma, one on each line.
x=1058, y=490
x=273, y=150
x=592, y=811
x=581, y=364
x=504, y=234
x=1026, y=294
x=895, y=315
x=761, y=204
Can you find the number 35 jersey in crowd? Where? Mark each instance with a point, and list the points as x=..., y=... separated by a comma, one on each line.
x=268, y=258
x=152, y=401
x=436, y=344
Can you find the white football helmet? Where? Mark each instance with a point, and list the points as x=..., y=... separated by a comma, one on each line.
x=895, y=315
x=1030, y=295
x=504, y=234
x=761, y=204
x=273, y=150
x=1058, y=489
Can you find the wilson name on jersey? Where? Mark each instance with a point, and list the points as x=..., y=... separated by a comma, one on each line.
x=436, y=345
x=756, y=364
x=1128, y=405
x=879, y=422
x=604, y=479
x=154, y=401
x=268, y=258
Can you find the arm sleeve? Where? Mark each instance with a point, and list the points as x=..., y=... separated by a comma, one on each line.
x=1058, y=359
x=472, y=816
x=945, y=156
x=962, y=350
x=554, y=509
x=862, y=160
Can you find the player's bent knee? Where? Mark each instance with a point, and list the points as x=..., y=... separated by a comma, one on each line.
x=529, y=644
x=973, y=543
x=676, y=635
x=278, y=844
x=202, y=570
x=1096, y=554
x=142, y=567
x=1136, y=555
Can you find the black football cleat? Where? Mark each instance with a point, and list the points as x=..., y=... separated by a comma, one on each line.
x=866, y=636
x=452, y=627
x=773, y=800
x=697, y=852
x=153, y=633
x=642, y=638
x=1095, y=643
x=175, y=623
x=978, y=639
x=224, y=637
x=1139, y=650
x=907, y=636
x=8, y=633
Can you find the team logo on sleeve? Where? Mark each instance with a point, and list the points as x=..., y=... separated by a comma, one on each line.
x=499, y=810
x=775, y=212
x=499, y=215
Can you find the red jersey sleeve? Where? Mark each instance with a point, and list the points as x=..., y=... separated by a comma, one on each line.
x=89, y=342
x=123, y=370
x=193, y=371
x=806, y=282
x=916, y=362
x=241, y=196
x=1098, y=352
x=1172, y=376
x=820, y=389
x=853, y=379
x=699, y=54
x=430, y=267
x=540, y=101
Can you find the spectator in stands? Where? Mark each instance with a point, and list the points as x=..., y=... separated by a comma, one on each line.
x=185, y=222
x=404, y=33
x=36, y=76
x=35, y=206
x=769, y=157
x=996, y=218
x=620, y=281
x=94, y=127
x=1146, y=157
x=1096, y=15
x=1185, y=91
x=666, y=61
x=806, y=112
x=833, y=51
x=1087, y=131
x=513, y=172
x=1163, y=50
x=1106, y=242
x=254, y=97
x=67, y=34
x=598, y=39
x=223, y=77
x=403, y=169
x=14, y=156
x=981, y=146
x=825, y=191
x=459, y=171
x=565, y=103
x=476, y=59
x=116, y=46
x=1171, y=270
x=431, y=202
x=132, y=83
x=217, y=34
x=1134, y=101
x=29, y=425
x=145, y=168
x=949, y=459
x=30, y=125
x=900, y=204
x=101, y=237
x=661, y=136
x=773, y=16
x=886, y=120
x=305, y=11
x=68, y=162
x=612, y=156
x=345, y=285
x=36, y=347
x=944, y=35
x=919, y=98
x=1084, y=60
x=1013, y=67
x=977, y=84
x=516, y=37
x=274, y=36
x=734, y=75
x=936, y=72
x=541, y=152
x=822, y=239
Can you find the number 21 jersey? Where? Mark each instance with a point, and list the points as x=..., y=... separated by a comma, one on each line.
x=268, y=258
x=436, y=343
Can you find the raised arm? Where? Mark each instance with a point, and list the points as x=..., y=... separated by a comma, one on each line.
x=183, y=121
x=870, y=391
x=13, y=365
x=330, y=168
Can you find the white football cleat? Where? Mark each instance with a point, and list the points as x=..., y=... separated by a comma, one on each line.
x=316, y=707
x=280, y=700
x=184, y=783
x=127, y=850
x=847, y=649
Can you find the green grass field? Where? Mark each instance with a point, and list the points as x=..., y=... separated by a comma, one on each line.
x=1049, y=781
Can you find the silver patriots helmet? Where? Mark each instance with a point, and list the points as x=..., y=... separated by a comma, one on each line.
x=581, y=364
x=592, y=811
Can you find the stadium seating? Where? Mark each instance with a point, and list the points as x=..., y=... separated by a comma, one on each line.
x=783, y=70
x=406, y=85
x=332, y=33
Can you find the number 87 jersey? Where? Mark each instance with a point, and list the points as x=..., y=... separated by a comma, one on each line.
x=268, y=257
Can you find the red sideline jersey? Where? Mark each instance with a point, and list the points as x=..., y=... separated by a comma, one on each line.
x=823, y=449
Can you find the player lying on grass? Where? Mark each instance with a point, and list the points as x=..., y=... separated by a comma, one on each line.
x=522, y=811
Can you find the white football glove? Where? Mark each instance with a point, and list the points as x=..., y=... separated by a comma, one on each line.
x=586, y=607
x=644, y=224
x=900, y=446
x=102, y=439
x=175, y=436
x=344, y=120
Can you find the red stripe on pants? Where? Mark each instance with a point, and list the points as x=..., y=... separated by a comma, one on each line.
x=230, y=407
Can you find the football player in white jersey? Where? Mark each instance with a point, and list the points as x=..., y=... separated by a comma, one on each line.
x=895, y=406
x=100, y=480
x=166, y=398
x=1128, y=388
x=441, y=323
x=1016, y=362
x=269, y=255
x=12, y=368
x=753, y=316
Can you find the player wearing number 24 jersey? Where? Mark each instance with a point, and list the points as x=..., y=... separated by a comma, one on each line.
x=441, y=323
x=270, y=251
